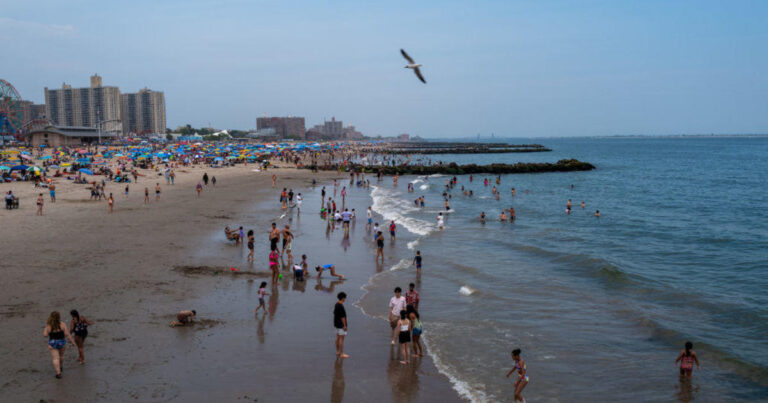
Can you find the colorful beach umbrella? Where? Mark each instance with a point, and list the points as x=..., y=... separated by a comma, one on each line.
x=85, y=171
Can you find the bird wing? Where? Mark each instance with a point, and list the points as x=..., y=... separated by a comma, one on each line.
x=418, y=74
x=405, y=55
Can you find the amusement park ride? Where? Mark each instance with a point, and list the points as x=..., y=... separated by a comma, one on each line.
x=11, y=110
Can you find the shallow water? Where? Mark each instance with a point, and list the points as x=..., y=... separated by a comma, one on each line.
x=600, y=307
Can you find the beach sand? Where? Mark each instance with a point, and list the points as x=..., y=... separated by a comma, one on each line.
x=131, y=271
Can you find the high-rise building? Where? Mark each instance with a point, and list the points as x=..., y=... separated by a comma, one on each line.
x=86, y=107
x=333, y=128
x=285, y=127
x=143, y=112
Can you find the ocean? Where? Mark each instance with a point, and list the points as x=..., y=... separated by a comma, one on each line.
x=599, y=306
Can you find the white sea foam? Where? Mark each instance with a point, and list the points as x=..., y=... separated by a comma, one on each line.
x=413, y=244
x=392, y=207
x=402, y=264
x=466, y=290
x=424, y=187
x=463, y=388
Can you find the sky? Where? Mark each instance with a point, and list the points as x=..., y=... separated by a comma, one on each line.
x=511, y=68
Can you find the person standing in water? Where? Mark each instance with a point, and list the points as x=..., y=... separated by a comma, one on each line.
x=404, y=337
x=250, y=246
x=57, y=333
x=396, y=304
x=686, y=358
x=79, y=327
x=380, y=246
x=522, y=374
x=262, y=293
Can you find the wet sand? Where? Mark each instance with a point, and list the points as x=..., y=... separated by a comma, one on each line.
x=131, y=271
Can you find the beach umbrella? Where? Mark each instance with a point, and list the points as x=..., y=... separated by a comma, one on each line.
x=66, y=164
x=53, y=167
x=19, y=168
x=26, y=157
x=4, y=168
x=85, y=171
x=46, y=157
x=34, y=169
x=83, y=161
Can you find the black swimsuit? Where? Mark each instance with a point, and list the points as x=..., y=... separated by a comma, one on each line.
x=81, y=329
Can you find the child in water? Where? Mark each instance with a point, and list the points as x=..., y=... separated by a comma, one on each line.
x=522, y=375
x=262, y=293
x=686, y=358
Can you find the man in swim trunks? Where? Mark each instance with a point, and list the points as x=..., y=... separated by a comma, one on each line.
x=274, y=237
x=392, y=228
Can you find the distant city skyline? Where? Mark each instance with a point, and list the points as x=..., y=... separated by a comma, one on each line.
x=515, y=69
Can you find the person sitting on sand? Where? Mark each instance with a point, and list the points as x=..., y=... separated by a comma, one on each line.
x=183, y=318
x=330, y=267
x=232, y=235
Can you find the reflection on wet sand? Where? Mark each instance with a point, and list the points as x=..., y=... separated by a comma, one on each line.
x=404, y=379
x=337, y=385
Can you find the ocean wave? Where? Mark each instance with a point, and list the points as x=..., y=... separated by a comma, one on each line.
x=402, y=264
x=391, y=207
x=463, y=388
x=466, y=290
x=413, y=244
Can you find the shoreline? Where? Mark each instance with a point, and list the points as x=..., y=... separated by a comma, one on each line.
x=131, y=278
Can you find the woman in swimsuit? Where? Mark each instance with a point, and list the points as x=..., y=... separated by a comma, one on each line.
x=404, y=335
x=522, y=374
x=57, y=333
x=273, y=265
x=686, y=358
x=250, y=246
x=79, y=327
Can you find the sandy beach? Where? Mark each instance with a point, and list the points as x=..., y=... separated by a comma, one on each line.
x=132, y=270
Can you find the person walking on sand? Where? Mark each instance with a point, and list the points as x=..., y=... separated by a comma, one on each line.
x=686, y=358
x=416, y=330
x=127, y=189
x=199, y=188
x=52, y=192
x=250, y=246
x=274, y=180
x=205, y=178
x=183, y=318
x=79, y=327
x=213, y=181
x=111, y=203
x=396, y=304
x=157, y=191
x=404, y=337
x=57, y=333
x=340, y=324
x=262, y=294
x=40, y=204
x=522, y=376
x=146, y=196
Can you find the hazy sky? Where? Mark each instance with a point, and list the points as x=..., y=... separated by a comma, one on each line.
x=513, y=68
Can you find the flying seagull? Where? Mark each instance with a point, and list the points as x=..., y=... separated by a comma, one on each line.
x=413, y=65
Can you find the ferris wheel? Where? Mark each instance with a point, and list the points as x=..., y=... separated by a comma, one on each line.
x=11, y=109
